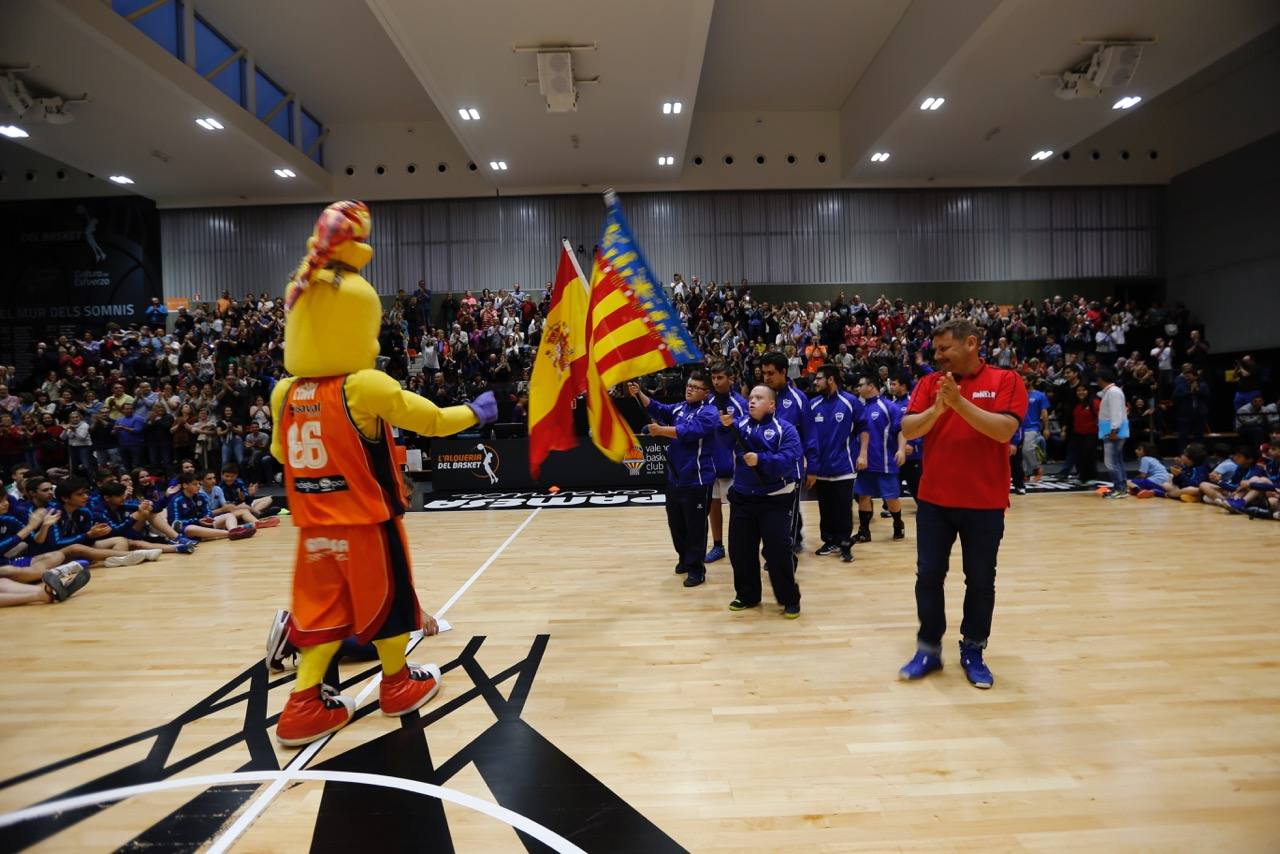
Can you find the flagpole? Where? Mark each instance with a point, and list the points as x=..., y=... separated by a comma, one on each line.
x=573, y=259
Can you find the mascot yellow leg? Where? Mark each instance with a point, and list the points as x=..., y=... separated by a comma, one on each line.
x=405, y=686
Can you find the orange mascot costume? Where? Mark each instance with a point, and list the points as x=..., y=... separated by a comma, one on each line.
x=333, y=420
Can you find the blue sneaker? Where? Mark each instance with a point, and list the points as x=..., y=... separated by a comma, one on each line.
x=974, y=667
x=716, y=553
x=1236, y=505
x=920, y=666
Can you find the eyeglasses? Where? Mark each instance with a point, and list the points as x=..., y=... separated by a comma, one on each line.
x=693, y=387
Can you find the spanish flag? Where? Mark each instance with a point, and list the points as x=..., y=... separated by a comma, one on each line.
x=560, y=368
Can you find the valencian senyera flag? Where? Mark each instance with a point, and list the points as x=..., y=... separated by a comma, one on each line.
x=634, y=329
x=560, y=367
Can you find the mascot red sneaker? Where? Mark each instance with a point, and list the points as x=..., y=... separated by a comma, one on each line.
x=334, y=418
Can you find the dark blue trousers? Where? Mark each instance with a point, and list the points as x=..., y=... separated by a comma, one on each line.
x=980, y=532
x=756, y=519
x=835, y=511
x=687, y=519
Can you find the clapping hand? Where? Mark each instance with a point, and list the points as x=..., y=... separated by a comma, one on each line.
x=948, y=391
x=751, y=458
x=726, y=418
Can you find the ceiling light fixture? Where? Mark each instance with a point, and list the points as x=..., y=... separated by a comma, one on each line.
x=469, y=114
x=1042, y=154
x=13, y=132
x=880, y=157
x=209, y=123
x=672, y=107
x=666, y=160
x=1126, y=103
x=121, y=179
x=498, y=165
x=286, y=173
x=932, y=103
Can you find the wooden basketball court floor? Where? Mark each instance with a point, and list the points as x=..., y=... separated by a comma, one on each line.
x=1136, y=707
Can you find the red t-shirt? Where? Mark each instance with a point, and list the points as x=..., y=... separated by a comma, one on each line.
x=963, y=467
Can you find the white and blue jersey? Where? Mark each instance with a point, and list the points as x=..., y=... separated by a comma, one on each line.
x=736, y=405
x=793, y=408
x=11, y=542
x=691, y=456
x=882, y=422
x=777, y=444
x=837, y=420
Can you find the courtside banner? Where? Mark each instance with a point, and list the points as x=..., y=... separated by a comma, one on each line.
x=500, y=465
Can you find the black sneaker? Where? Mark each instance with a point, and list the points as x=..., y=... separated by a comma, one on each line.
x=680, y=569
x=846, y=554
x=827, y=549
x=863, y=536
x=739, y=605
x=899, y=532
x=692, y=580
x=791, y=612
x=798, y=548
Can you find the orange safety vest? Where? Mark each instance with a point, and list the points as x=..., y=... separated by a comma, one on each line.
x=333, y=473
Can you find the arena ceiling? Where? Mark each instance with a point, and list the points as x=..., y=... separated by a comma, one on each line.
x=827, y=84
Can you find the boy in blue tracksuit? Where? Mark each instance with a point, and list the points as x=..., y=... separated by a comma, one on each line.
x=767, y=459
x=1191, y=470
x=882, y=451
x=725, y=398
x=837, y=418
x=792, y=407
x=691, y=468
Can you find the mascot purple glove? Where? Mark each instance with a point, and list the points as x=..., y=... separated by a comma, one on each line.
x=485, y=407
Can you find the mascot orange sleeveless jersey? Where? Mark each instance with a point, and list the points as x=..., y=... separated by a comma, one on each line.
x=334, y=475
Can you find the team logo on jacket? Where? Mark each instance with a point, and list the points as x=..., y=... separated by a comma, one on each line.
x=839, y=417
x=787, y=402
x=875, y=415
x=770, y=433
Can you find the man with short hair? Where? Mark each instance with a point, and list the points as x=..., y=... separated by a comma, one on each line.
x=1034, y=427
x=837, y=417
x=882, y=451
x=791, y=406
x=767, y=459
x=1113, y=430
x=969, y=410
x=725, y=398
x=691, y=427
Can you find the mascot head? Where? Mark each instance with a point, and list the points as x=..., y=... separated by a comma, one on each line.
x=332, y=314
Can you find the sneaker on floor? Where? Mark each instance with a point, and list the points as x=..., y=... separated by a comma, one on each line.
x=1190, y=499
x=739, y=605
x=716, y=553
x=691, y=580
x=791, y=612
x=244, y=532
x=1021, y=490
x=1115, y=495
x=828, y=549
x=975, y=669
x=283, y=511
x=846, y=555
x=65, y=580
x=1103, y=490
x=863, y=536
x=899, y=532
x=680, y=569
x=126, y=559
x=186, y=548
x=409, y=689
x=268, y=522
x=1146, y=493
x=885, y=514
x=1258, y=513
x=150, y=554
x=798, y=548
x=186, y=541
x=1235, y=506
x=312, y=714
x=282, y=656
x=920, y=666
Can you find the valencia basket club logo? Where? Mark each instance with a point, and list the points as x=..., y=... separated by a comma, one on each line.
x=634, y=461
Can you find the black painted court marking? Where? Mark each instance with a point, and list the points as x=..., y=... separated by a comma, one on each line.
x=524, y=771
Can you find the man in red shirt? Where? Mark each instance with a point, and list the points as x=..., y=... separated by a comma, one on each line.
x=969, y=411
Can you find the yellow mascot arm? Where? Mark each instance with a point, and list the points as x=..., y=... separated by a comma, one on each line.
x=372, y=395
x=278, y=395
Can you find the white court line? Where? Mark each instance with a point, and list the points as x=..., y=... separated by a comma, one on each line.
x=502, y=814
x=255, y=809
